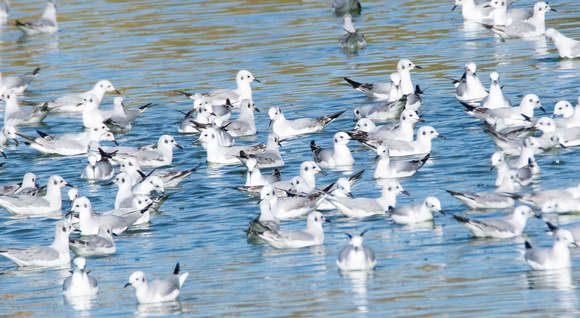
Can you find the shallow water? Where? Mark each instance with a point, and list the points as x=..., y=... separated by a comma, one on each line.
x=148, y=49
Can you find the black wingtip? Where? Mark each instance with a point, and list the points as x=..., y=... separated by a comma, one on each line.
x=176, y=270
x=459, y=218
x=352, y=83
x=528, y=245
x=41, y=134
x=552, y=226
x=36, y=70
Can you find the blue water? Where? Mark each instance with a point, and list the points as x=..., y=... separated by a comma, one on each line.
x=148, y=49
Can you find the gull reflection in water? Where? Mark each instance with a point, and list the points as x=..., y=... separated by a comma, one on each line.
x=358, y=280
x=557, y=280
x=82, y=304
x=159, y=309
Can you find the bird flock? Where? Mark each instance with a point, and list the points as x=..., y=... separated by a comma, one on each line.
x=399, y=149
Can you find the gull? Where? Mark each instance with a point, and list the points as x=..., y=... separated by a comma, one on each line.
x=74, y=102
x=339, y=156
x=7, y=133
x=352, y=40
x=385, y=111
x=308, y=172
x=569, y=137
x=524, y=175
x=14, y=116
x=555, y=257
x=216, y=153
x=469, y=88
x=159, y=290
x=562, y=205
x=27, y=186
x=571, y=117
x=35, y=205
x=17, y=83
x=365, y=207
x=124, y=198
x=495, y=99
x=149, y=184
x=243, y=91
x=92, y=115
x=384, y=91
x=401, y=131
x=356, y=256
x=499, y=199
x=86, y=136
x=162, y=155
x=283, y=239
x=223, y=111
x=404, y=68
x=575, y=230
x=510, y=226
x=80, y=283
x=512, y=142
x=387, y=169
x=286, y=128
x=410, y=214
x=474, y=12
x=90, y=222
x=170, y=179
x=502, y=15
x=540, y=199
x=271, y=156
x=57, y=254
x=399, y=148
x=44, y=25
x=567, y=47
x=245, y=125
x=141, y=204
x=341, y=188
x=526, y=156
x=532, y=27
x=202, y=120
x=121, y=119
x=225, y=138
x=340, y=7
x=255, y=178
x=99, y=166
x=68, y=147
x=524, y=111
x=101, y=244
x=263, y=222
x=284, y=208
x=368, y=126
x=131, y=196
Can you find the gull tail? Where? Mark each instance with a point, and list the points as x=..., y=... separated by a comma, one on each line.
x=352, y=83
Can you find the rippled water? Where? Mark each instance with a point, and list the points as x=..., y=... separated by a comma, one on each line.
x=150, y=48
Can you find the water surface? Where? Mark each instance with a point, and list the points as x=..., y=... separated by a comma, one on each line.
x=148, y=49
